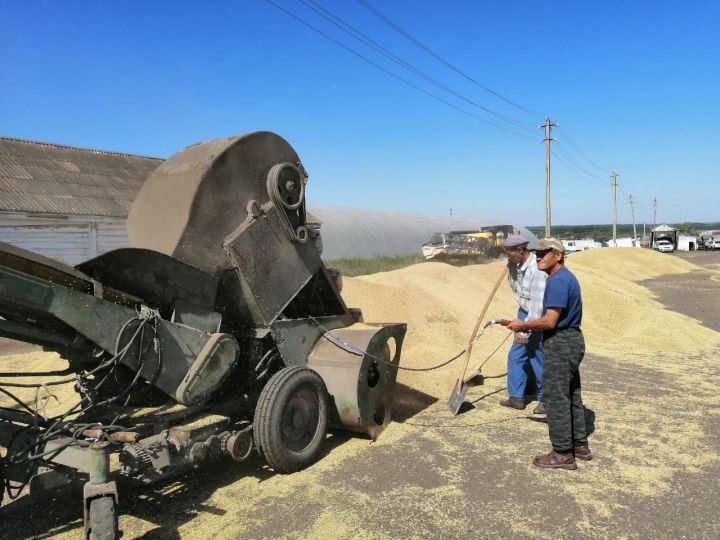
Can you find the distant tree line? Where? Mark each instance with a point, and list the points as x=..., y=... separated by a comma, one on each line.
x=602, y=233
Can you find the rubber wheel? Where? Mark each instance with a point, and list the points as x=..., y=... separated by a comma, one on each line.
x=291, y=419
x=102, y=519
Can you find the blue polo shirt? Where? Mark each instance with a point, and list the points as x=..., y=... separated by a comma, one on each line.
x=562, y=290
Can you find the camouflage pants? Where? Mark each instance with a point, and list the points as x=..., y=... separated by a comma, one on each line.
x=564, y=350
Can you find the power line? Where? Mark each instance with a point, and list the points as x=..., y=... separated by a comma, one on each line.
x=395, y=76
x=440, y=59
x=586, y=174
x=369, y=42
x=580, y=152
x=575, y=167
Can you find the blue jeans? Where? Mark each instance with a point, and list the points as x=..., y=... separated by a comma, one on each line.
x=525, y=359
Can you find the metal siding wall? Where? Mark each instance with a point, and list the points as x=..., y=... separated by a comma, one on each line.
x=112, y=236
x=67, y=242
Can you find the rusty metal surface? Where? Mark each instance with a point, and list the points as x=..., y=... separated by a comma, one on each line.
x=195, y=199
x=119, y=436
x=272, y=266
x=159, y=280
x=295, y=338
x=223, y=286
x=361, y=388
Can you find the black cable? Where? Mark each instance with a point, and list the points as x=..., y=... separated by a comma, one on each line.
x=103, y=365
x=435, y=55
x=66, y=371
x=559, y=146
x=580, y=152
x=18, y=401
x=363, y=38
x=57, y=427
x=395, y=76
x=78, y=429
x=571, y=168
x=496, y=350
x=574, y=167
x=360, y=352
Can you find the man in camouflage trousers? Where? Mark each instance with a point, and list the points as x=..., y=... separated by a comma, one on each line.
x=564, y=348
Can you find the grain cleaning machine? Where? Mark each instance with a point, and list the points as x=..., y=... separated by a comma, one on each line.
x=218, y=331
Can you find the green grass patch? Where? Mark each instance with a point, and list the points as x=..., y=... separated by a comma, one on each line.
x=363, y=267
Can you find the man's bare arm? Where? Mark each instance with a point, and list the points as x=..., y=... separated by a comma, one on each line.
x=546, y=322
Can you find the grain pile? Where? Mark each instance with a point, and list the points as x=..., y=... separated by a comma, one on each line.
x=440, y=304
x=431, y=475
x=48, y=400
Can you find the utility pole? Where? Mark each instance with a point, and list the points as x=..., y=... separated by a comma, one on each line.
x=547, y=140
x=632, y=211
x=654, y=213
x=614, y=184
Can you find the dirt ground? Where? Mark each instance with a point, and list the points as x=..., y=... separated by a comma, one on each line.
x=656, y=435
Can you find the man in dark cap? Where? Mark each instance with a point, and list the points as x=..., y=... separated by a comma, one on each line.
x=564, y=348
x=526, y=354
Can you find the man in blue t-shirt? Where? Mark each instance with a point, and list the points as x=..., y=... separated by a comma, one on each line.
x=564, y=348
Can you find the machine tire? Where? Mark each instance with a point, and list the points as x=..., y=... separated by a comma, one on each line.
x=291, y=419
x=102, y=519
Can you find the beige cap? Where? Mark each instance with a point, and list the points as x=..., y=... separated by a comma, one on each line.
x=551, y=243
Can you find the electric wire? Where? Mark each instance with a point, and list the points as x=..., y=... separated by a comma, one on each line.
x=18, y=401
x=394, y=75
x=561, y=148
x=566, y=159
x=363, y=38
x=580, y=152
x=59, y=426
x=572, y=169
x=103, y=365
x=357, y=351
x=439, y=58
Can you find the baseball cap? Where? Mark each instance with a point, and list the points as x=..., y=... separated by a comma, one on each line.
x=515, y=240
x=550, y=243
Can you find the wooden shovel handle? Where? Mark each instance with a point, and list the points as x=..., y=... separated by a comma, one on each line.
x=468, y=351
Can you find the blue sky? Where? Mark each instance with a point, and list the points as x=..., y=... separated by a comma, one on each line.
x=634, y=85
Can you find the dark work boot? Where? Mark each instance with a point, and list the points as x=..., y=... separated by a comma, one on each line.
x=513, y=403
x=556, y=460
x=540, y=409
x=582, y=453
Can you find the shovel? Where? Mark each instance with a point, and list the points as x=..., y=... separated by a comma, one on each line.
x=460, y=390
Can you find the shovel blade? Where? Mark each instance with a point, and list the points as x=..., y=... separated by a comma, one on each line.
x=457, y=398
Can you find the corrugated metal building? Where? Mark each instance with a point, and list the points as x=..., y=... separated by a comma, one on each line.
x=72, y=204
x=64, y=202
x=352, y=233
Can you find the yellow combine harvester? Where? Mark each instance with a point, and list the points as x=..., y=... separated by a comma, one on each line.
x=464, y=245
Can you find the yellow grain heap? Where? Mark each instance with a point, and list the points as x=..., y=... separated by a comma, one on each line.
x=440, y=304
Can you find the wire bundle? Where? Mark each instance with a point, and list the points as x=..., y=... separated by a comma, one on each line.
x=89, y=387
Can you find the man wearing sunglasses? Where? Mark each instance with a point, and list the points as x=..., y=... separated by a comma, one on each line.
x=564, y=348
x=525, y=357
